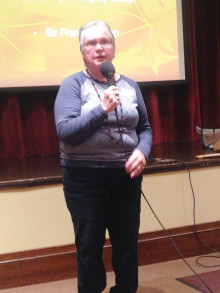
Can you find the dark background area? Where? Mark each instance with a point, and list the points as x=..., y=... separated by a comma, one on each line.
x=27, y=119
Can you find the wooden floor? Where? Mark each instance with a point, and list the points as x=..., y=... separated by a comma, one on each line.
x=41, y=170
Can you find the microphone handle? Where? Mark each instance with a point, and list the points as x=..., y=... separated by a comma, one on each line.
x=110, y=81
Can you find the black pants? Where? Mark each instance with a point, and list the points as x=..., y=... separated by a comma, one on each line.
x=100, y=199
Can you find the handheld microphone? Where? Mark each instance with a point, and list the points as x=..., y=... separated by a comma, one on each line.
x=107, y=69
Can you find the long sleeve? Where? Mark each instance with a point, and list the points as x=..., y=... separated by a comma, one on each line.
x=143, y=128
x=73, y=126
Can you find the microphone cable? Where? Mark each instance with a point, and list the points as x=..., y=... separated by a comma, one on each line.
x=172, y=241
x=157, y=218
x=194, y=223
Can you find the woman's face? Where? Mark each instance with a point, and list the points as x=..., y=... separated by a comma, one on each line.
x=98, y=47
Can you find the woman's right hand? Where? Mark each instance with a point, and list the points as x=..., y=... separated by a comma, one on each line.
x=111, y=99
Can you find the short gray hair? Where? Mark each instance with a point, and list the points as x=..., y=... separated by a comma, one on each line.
x=98, y=23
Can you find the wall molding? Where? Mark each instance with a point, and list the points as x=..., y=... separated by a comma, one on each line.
x=59, y=263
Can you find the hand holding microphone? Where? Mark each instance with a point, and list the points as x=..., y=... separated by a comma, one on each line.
x=111, y=97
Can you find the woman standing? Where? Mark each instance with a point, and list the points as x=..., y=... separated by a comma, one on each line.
x=105, y=140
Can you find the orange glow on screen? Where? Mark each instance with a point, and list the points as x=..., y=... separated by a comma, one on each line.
x=40, y=47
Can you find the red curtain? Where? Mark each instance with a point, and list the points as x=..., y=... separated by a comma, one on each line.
x=27, y=119
x=176, y=110
x=207, y=26
x=27, y=125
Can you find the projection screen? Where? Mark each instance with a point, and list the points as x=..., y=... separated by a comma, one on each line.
x=39, y=39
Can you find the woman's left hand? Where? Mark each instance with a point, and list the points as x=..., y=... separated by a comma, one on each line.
x=135, y=163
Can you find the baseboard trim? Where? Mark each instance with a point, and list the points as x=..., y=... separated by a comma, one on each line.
x=58, y=263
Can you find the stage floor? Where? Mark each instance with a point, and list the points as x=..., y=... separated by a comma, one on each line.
x=43, y=170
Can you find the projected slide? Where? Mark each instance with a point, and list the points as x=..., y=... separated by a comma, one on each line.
x=40, y=47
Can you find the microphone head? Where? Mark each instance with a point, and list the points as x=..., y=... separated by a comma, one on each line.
x=107, y=69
